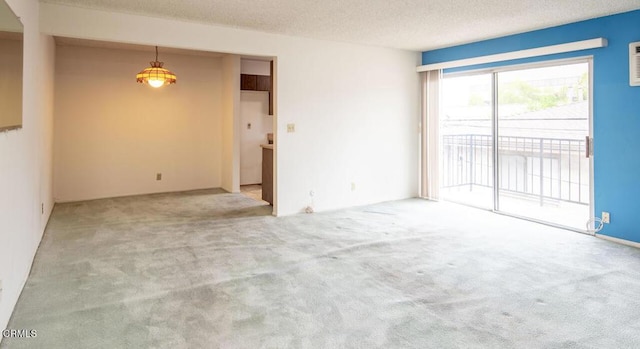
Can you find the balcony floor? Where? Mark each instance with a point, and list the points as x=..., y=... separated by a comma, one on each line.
x=562, y=213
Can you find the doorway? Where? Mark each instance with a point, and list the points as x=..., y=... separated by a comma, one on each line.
x=517, y=141
x=256, y=125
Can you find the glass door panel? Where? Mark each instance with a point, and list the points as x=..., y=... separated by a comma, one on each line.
x=543, y=119
x=466, y=140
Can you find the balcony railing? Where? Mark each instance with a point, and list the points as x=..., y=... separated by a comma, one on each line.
x=534, y=168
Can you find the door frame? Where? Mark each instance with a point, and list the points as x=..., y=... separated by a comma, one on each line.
x=588, y=59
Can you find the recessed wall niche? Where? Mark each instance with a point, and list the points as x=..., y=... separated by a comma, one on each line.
x=11, y=58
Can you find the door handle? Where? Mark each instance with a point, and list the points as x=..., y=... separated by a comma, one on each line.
x=589, y=147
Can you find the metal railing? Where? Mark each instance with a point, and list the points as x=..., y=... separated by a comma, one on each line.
x=536, y=168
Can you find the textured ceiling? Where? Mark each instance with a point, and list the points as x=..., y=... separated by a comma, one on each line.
x=62, y=41
x=406, y=24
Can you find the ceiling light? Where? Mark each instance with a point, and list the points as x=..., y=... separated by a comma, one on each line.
x=156, y=75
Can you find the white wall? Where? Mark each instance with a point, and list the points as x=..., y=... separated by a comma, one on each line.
x=25, y=163
x=113, y=135
x=231, y=123
x=255, y=67
x=355, y=107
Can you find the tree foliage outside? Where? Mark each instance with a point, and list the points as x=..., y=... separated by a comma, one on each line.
x=583, y=86
x=537, y=98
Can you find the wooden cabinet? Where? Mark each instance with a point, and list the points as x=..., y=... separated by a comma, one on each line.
x=271, y=88
x=267, y=174
x=263, y=83
x=250, y=82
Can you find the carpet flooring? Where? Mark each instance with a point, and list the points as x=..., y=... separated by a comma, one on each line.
x=208, y=269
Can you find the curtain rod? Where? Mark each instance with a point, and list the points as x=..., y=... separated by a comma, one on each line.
x=528, y=53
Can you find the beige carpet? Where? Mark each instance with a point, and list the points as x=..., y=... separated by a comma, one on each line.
x=207, y=269
x=253, y=191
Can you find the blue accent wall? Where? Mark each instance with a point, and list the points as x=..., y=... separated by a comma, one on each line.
x=616, y=106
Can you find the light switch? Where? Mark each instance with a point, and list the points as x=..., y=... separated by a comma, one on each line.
x=291, y=127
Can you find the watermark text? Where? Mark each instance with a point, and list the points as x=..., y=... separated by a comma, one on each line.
x=11, y=333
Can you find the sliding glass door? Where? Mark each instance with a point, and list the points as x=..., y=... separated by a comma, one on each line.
x=543, y=121
x=516, y=141
x=466, y=124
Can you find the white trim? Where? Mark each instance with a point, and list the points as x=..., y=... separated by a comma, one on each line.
x=618, y=240
x=521, y=66
x=592, y=181
x=533, y=52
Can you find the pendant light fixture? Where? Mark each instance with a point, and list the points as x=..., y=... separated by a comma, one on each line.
x=156, y=76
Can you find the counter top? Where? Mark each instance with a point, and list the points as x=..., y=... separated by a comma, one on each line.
x=267, y=146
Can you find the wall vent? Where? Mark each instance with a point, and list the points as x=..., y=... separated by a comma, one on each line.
x=634, y=64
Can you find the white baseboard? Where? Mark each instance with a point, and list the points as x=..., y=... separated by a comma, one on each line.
x=618, y=240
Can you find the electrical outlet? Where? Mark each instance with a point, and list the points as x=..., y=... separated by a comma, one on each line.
x=42, y=208
x=353, y=186
x=605, y=217
x=158, y=176
x=312, y=193
x=291, y=127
